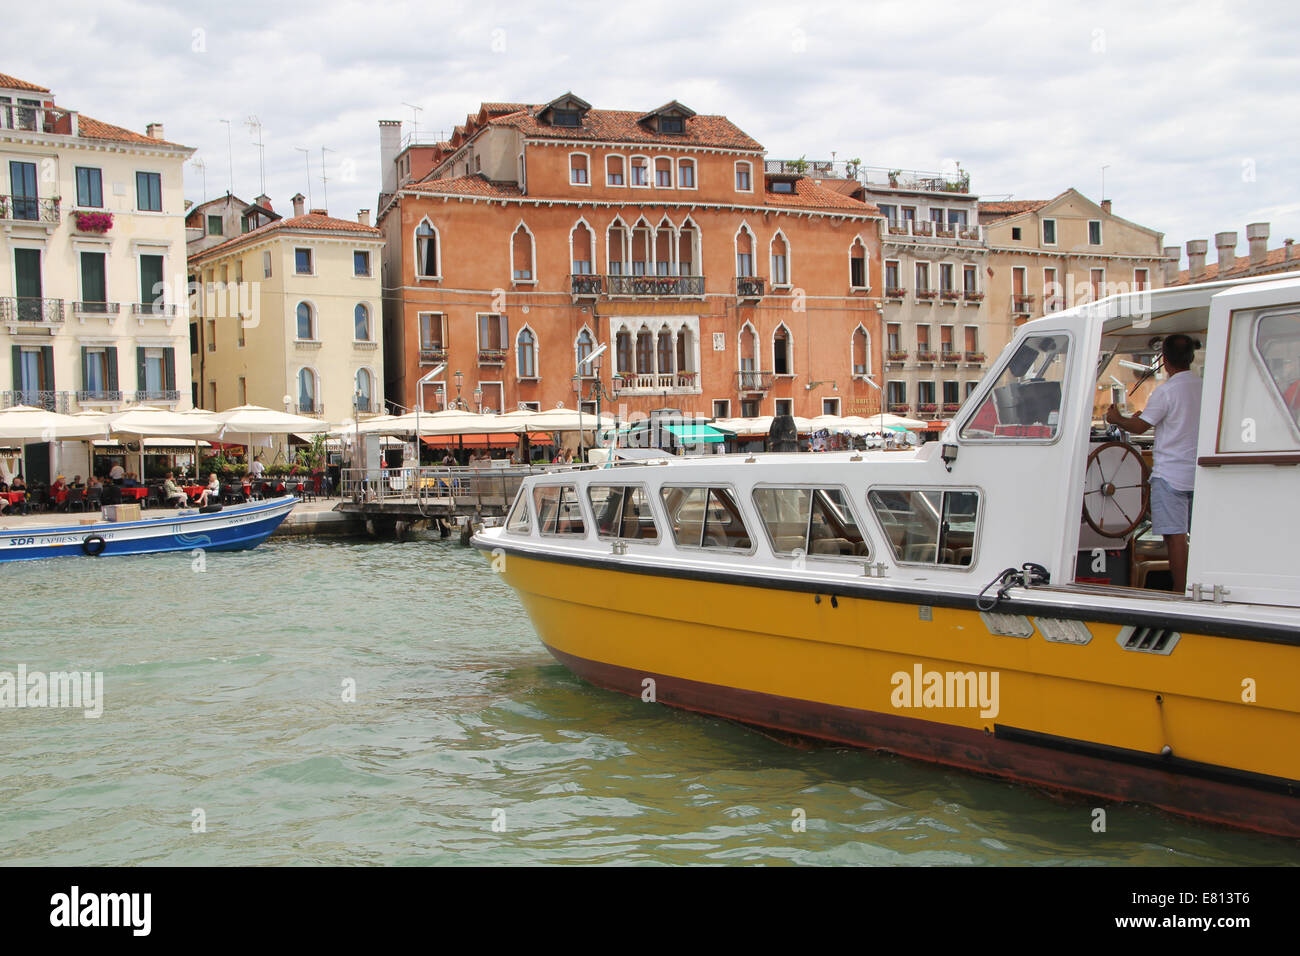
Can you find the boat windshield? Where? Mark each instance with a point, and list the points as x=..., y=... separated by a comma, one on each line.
x=1026, y=401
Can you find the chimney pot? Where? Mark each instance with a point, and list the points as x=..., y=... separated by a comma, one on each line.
x=1257, y=237
x=298, y=201
x=154, y=130
x=264, y=201
x=1226, y=243
x=390, y=143
x=1286, y=245
x=1172, y=256
x=1105, y=206
x=1196, y=249
x=363, y=216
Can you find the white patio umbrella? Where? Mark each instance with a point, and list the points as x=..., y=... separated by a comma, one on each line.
x=149, y=421
x=27, y=423
x=250, y=420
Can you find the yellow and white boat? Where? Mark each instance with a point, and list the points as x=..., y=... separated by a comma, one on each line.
x=933, y=603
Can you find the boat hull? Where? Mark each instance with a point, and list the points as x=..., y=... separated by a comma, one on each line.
x=233, y=529
x=1172, y=731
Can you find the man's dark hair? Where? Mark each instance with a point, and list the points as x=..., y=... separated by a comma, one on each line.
x=1179, y=350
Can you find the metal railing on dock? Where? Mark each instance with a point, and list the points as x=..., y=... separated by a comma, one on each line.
x=437, y=489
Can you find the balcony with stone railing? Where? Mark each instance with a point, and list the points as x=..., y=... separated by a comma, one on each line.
x=86, y=310
x=957, y=232
x=656, y=383
x=753, y=381
x=29, y=310
x=38, y=211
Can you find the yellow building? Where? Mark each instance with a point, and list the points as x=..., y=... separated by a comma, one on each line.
x=1052, y=254
x=287, y=316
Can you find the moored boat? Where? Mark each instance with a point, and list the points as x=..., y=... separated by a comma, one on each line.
x=973, y=602
x=231, y=529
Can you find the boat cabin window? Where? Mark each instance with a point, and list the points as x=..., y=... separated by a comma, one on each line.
x=622, y=511
x=519, y=522
x=1026, y=401
x=928, y=527
x=558, y=511
x=1261, y=396
x=705, y=518
x=817, y=522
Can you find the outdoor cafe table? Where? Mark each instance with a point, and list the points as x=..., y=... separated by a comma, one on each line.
x=135, y=494
x=13, y=497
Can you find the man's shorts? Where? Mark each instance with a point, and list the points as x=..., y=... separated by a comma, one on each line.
x=1171, y=509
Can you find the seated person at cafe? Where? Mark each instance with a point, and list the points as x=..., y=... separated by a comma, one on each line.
x=210, y=494
x=77, y=482
x=116, y=473
x=18, y=484
x=172, y=493
x=130, y=481
x=60, y=484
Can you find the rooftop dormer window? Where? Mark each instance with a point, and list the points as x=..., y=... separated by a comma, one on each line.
x=782, y=186
x=566, y=118
x=672, y=124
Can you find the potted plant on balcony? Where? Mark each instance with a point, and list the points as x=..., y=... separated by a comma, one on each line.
x=99, y=222
x=799, y=166
x=893, y=177
x=928, y=407
x=896, y=355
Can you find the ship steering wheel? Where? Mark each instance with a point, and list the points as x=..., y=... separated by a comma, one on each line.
x=1116, y=489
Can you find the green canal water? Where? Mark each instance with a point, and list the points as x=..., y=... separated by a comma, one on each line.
x=466, y=743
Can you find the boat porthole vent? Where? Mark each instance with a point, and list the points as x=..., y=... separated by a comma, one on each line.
x=1148, y=640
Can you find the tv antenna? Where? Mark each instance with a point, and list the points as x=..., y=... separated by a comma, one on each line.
x=255, y=124
x=415, y=119
x=306, y=155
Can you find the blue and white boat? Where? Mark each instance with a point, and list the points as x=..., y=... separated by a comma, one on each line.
x=231, y=529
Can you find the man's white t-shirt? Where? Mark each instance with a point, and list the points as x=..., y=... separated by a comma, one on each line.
x=1174, y=410
x=117, y=473
x=256, y=469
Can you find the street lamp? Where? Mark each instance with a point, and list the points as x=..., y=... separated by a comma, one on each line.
x=460, y=376
x=419, y=402
x=478, y=398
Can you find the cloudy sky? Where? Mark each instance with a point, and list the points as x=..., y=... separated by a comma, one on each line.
x=1193, y=106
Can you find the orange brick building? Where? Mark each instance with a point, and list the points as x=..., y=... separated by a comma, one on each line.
x=535, y=234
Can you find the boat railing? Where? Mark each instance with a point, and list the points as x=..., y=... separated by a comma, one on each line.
x=450, y=489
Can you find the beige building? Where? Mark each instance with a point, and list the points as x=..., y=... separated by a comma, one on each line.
x=211, y=223
x=935, y=311
x=1052, y=254
x=92, y=276
x=289, y=317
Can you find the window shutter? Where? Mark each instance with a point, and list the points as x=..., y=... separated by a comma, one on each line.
x=505, y=331
x=18, y=367
x=141, y=370
x=169, y=369
x=47, y=361
x=110, y=368
x=85, y=371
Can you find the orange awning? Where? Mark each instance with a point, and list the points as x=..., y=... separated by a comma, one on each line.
x=485, y=441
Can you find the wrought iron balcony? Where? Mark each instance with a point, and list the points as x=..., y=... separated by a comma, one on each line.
x=1021, y=304
x=925, y=355
x=751, y=381
x=491, y=356
x=653, y=285
x=49, y=400
x=158, y=309
x=158, y=395
x=947, y=354
x=749, y=287
x=29, y=209
x=586, y=286
x=96, y=308
x=431, y=356
x=896, y=355
x=895, y=292
x=26, y=309
x=970, y=296
x=98, y=397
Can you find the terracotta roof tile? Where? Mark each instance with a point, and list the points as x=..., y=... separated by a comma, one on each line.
x=308, y=222
x=476, y=185
x=91, y=128
x=810, y=194
x=13, y=83
x=1275, y=261
x=1013, y=207
x=623, y=126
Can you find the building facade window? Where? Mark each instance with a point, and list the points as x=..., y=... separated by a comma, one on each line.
x=364, y=390
x=302, y=262
x=782, y=360
x=744, y=253
x=614, y=171
x=664, y=173
x=427, y=262
x=780, y=253
x=579, y=169
x=583, y=346
x=1049, y=232
x=307, y=390
x=90, y=186
x=858, y=278
x=148, y=192
x=686, y=173
x=361, y=262
x=861, y=351
x=744, y=177
x=1094, y=232
x=306, y=322
x=526, y=353
x=640, y=171
x=582, y=246
x=521, y=255
x=361, y=322
x=216, y=226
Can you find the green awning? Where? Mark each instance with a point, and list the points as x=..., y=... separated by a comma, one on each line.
x=695, y=434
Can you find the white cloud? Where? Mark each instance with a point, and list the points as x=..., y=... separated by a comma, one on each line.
x=1031, y=97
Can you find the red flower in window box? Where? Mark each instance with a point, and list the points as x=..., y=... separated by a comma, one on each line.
x=93, y=221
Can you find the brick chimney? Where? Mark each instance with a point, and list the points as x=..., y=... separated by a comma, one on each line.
x=1226, y=243
x=1257, y=236
x=298, y=200
x=363, y=216
x=264, y=201
x=1105, y=206
x=1196, y=249
x=1172, y=257
x=319, y=212
x=154, y=131
x=1286, y=247
x=390, y=142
